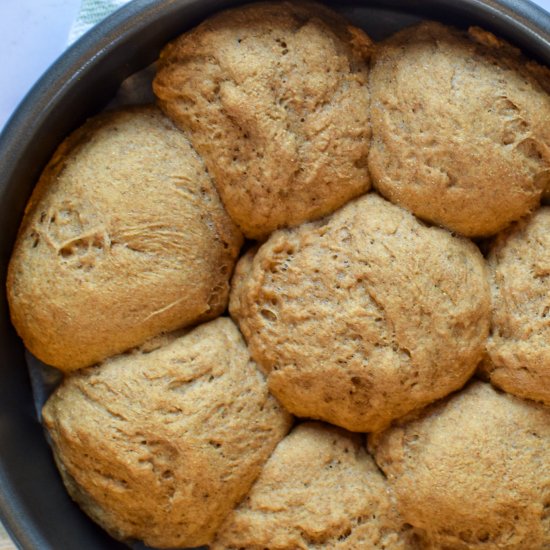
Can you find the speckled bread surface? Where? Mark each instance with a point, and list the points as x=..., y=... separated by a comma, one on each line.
x=160, y=445
x=472, y=471
x=361, y=317
x=319, y=490
x=460, y=128
x=519, y=345
x=124, y=237
x=275, y=98
x=368, y=310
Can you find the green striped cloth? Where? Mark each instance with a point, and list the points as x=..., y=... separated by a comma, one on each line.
x=92, y=12
x=5, y=541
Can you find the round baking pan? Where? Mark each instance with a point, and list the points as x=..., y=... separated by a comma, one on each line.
x=33, y=503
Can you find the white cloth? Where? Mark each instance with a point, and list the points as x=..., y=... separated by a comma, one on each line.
x=92, y=12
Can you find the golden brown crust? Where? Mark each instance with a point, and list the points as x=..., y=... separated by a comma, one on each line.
x=519, y=346
x=363, y=316
x=319, y=490
x=123, y=238
x=460, y=131
x=360, y=318
x=472, y=471
x=161, y=445
x=274, y=97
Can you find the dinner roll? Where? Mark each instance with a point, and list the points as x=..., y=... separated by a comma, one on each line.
x=519, y=345
x=161, y=444
x=124, y=237
x=274, y=96
x=460, y=128
x=319, y=490
x=363, y=316
x=472, y=471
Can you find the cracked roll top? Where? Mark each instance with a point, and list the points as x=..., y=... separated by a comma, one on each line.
x=161, y=445
x=472, y=471
x=124, y=237
x=519, y=345
x=275, y=99
x=361, y=317
x=460, y=128
x=319, y=490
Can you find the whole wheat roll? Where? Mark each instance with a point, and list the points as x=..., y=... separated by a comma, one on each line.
x=124, y=237
x=274, y=96
x=460, y=127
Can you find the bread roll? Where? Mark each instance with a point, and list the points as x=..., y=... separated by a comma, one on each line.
x=319, y=490
x=160, y=445
x=460, y=128
x=364, y=316
x=274, y=96
x=519, y=345
x=124, y=237
x=472, y=471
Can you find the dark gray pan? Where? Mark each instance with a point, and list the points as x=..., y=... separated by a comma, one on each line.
x=33, y=504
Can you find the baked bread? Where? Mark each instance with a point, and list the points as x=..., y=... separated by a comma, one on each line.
x=160, y=445
x=460, y=128
x=472, y=471
x=319, y=490
x=274, y=97
x=124, y=237
x=363, y=316
x=519, y=345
